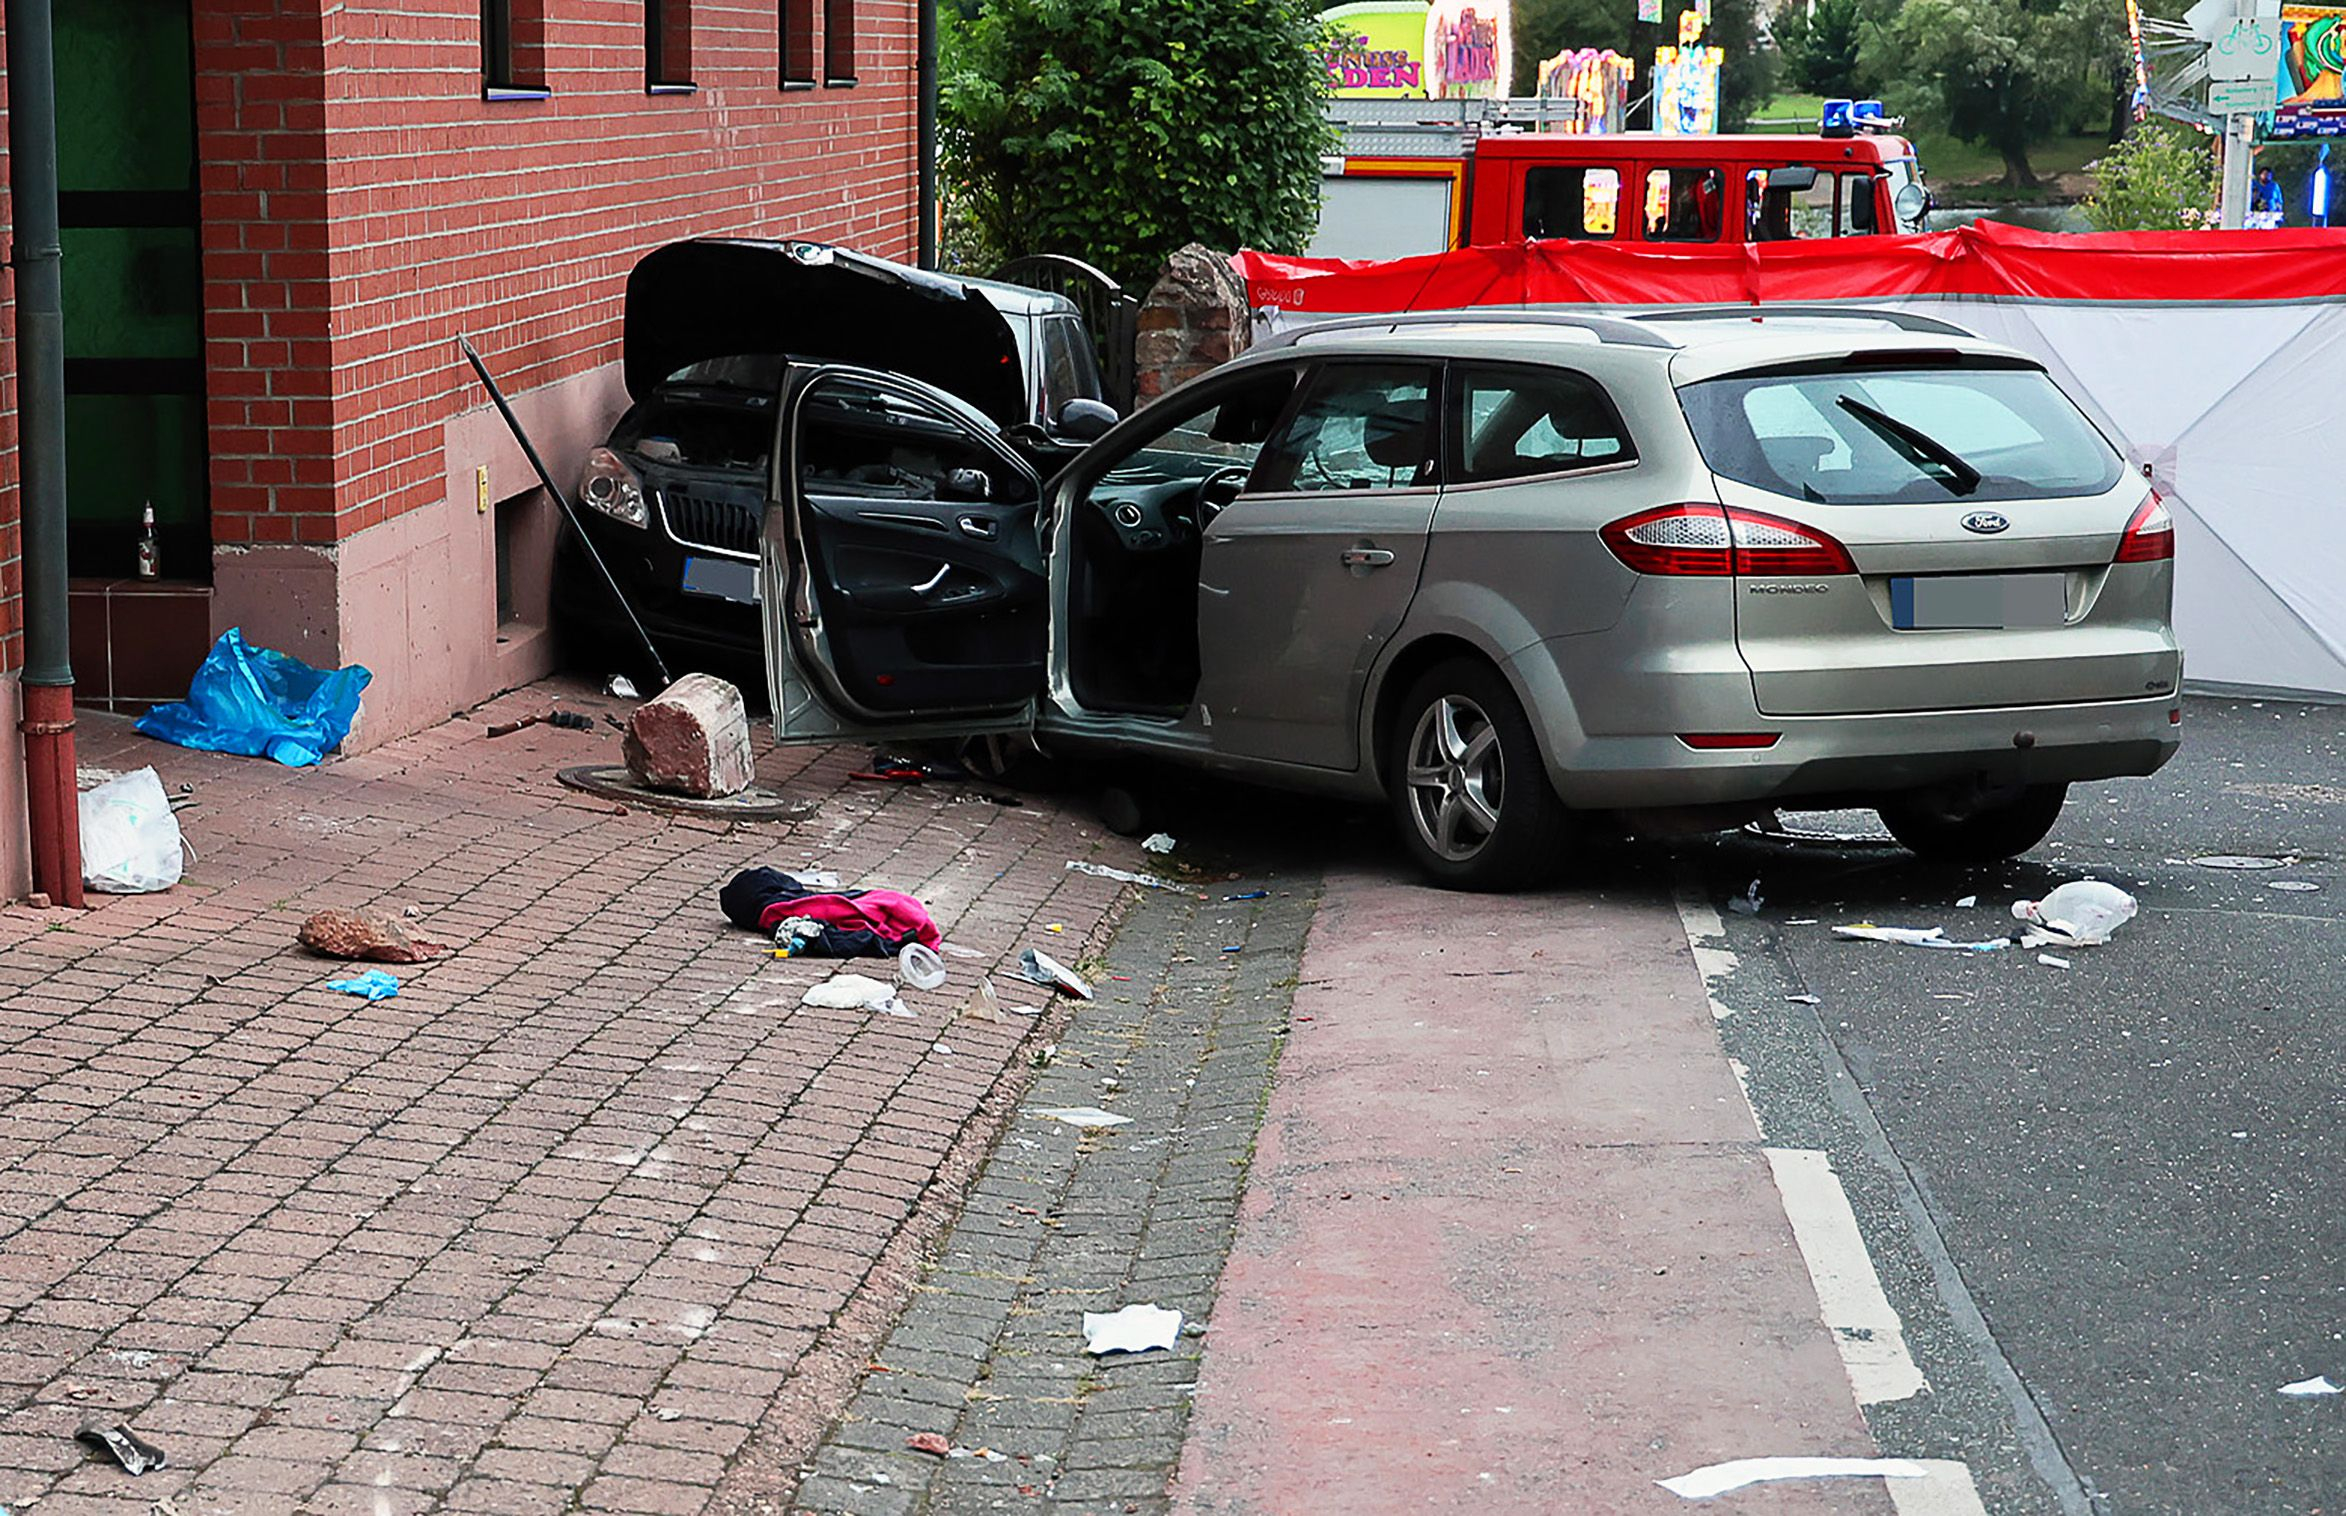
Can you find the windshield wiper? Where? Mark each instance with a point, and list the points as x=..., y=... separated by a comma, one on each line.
x=1919, y=446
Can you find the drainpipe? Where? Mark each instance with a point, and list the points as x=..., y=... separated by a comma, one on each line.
x=54, y=810
x=925, y=130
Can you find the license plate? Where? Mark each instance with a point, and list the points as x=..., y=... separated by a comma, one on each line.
x=1950, y=602
x=722, y=579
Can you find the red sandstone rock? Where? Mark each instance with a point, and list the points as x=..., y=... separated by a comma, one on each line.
x=692, y=738
x=368, y=935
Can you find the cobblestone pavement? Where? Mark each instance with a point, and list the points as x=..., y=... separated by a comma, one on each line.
x=1063, y=1221
x=592, y=1216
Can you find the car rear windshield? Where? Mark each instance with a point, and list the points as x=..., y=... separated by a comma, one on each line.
x=1876, y=435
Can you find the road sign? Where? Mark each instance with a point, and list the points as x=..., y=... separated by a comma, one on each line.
x=2243, y=97
x=2248, y=47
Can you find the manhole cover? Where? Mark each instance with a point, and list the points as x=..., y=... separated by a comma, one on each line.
x=613, y=782
x=2237, y=861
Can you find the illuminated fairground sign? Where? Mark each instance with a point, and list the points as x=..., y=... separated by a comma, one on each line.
x=1686, y=82
x=1598, y=80
x=2311, y=82
x=1381, y=51
x=1469, y=49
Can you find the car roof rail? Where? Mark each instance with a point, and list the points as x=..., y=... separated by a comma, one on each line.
x=1613, y=329
x=1905, y=321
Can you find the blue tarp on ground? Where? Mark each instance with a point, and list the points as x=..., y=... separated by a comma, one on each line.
x=259, y=703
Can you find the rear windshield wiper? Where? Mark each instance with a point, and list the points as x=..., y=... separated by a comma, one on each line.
x=1919, y=445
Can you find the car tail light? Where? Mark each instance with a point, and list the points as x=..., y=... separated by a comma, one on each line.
x=1716, y=742
x=1720, y=540
x=2149, y=535
x=611, y=487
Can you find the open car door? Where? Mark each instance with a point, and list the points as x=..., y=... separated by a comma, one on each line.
x=901, y=572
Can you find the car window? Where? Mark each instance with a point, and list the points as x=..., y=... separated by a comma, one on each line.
x=1684, y=204
x=1070, y=371
x=1581, y=202
x=1198, y=438
x=1511, y=423
x=856, y=438
x=1362, y=426
x=1896, y=435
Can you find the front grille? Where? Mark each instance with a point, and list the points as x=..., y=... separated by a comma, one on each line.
x=713, y=518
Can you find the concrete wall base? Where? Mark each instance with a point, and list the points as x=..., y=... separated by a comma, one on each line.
x=16, y=844
x=415, y=599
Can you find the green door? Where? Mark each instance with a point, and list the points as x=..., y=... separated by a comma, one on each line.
x=134, y=349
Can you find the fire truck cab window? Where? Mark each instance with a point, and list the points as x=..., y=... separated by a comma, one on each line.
x=1684, y=204
x=1579, y=201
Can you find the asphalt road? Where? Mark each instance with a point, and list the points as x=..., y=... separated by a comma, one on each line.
x=2105, y=1199
x=2127, y=1168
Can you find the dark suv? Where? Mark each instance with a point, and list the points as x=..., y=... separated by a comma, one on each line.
x=673, y=497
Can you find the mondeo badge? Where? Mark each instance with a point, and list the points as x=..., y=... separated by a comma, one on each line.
x=1985, y=521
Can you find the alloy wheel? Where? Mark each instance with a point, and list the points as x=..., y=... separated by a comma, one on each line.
x=1456, y=777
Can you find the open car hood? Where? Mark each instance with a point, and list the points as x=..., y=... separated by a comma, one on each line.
x=718, y=297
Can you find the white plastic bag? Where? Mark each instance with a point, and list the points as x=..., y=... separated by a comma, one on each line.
x=129, y=838
x=2082, y=913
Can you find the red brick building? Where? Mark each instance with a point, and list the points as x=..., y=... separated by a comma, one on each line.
x=280, y=216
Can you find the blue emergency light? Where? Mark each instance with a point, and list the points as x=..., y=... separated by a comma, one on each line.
x=1839, y=119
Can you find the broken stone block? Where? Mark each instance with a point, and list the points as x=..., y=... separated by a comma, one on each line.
x=367, y=935
x=691, y=739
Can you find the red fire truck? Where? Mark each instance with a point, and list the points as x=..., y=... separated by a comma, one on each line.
x=1424, y=176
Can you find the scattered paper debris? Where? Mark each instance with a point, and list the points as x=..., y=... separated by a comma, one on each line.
x=1719, y=1478
x=983, y=1455
x=2051, y=962
x=374, y=984
x=1967, y=902
x=1802, y=999
x=1917, y=936
x=2319, y=1384
x=1748, y=903
x=1124, y=876
x=854, y=992
x=1041, y=968
x=919, y=966
x=1135, y=1329
x=2081, y=913
x=124, y=1446
x=1802, y=921
x=816, y=879
x=623, y=687
x=1160, y=844
x=1084, y=1115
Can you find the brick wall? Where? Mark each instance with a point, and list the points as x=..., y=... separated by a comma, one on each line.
x=359, y=235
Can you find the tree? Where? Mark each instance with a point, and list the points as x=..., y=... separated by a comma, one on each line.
x=2005, y=73
x=1821, y=49
x=1120, y=130
x=2159, y=178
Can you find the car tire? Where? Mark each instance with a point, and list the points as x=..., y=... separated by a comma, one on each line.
x=2004, y=827
x=1462, y=739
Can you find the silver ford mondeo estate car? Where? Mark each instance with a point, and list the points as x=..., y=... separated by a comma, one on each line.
x=1505, y=571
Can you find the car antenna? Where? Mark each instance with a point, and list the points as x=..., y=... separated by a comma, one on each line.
x=513, y=424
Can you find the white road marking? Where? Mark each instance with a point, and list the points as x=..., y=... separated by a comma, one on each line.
x=1868, y=1332
x=1945, y=1490
x=1703, y=927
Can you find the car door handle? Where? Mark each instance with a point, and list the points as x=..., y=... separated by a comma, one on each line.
x=976, y=526
x=1367, y=557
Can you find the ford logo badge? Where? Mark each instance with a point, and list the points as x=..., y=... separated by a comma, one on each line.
x=1985, y=521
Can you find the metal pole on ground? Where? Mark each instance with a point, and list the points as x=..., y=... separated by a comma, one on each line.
x=36, y=255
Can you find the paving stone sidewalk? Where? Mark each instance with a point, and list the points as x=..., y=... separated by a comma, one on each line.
x=1065, y=1220
x=591, y=1217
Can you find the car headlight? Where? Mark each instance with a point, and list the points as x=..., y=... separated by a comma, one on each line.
x=611, y=487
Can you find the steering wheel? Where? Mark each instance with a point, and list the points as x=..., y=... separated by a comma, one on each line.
x=1218, y=489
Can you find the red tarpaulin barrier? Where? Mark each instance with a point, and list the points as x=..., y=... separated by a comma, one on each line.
x=1983, y=260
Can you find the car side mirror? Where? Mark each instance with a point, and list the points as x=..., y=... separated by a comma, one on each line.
x=1086, y=420
x=1800, y=176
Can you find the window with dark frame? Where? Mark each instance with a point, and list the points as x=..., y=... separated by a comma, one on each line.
x=838, y=41
x=798, y=43
x=513, y=52
x=667, y=44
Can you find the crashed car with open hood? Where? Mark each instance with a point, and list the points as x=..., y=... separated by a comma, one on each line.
x=673, y=497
